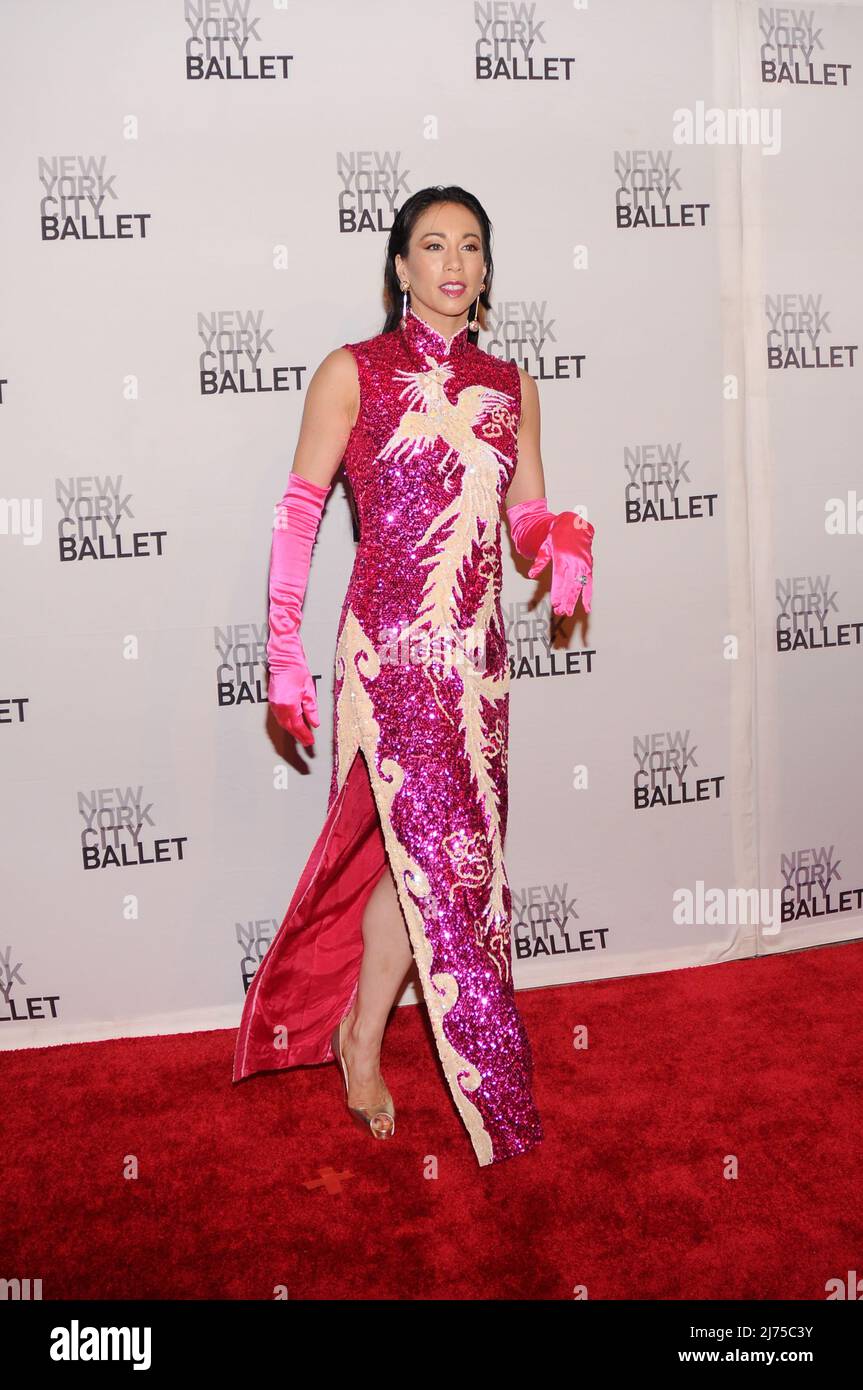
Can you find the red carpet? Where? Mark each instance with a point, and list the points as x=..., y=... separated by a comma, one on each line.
x=268, y=1182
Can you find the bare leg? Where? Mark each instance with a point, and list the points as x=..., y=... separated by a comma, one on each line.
x=387, y=957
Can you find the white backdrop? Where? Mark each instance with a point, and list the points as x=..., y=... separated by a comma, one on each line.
x=184, y=237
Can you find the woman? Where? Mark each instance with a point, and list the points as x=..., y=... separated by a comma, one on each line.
x=435, y=434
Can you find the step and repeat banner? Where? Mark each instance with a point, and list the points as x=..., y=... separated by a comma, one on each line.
x=196, y=203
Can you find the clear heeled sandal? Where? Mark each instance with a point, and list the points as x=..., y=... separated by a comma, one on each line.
x=380, y=1121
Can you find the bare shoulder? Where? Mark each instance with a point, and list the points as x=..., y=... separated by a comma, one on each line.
x=529, y=393
x=527, y=382
x=337, y=378
x=338, y=365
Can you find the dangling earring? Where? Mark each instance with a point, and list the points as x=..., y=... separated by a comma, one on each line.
x=404, y=287
x=473, y=321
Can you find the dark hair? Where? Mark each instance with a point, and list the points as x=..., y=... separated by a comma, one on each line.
x=399, y=241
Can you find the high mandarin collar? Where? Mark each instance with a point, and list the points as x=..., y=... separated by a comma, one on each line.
x=422, y=338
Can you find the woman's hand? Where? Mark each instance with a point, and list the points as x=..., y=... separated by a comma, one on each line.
x=291, y=694
x=568, y=546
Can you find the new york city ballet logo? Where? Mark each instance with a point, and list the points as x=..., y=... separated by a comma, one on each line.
x=97, y=521
x=13, y=709
x=669, y=771
x=813, y=888
x=534, y=636
x=660, y=486
x=373, y=184
x=237, y=356
x=808, y=618
x=224, y=44
x=793, y=49
x=527, y=332
x=19, y=1003
x=253, y=939
x=546, y=923
x=80, y=203
x=119, y=831
x=649, y=195
x=511, y=44
x=799, y=335
x=241, y=671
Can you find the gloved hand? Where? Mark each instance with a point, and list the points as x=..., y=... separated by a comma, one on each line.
x=566, y=540
x=291, y=690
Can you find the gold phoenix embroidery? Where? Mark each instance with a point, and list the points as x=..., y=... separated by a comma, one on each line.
x=471, y=517
x=359, y=730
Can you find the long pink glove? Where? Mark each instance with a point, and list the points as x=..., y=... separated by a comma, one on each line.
x=291, y=690
x=566, y=539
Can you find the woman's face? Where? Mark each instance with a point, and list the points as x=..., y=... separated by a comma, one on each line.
x=445, y=250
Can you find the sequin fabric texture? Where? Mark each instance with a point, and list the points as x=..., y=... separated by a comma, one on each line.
x=422, y=682
x=421, y=699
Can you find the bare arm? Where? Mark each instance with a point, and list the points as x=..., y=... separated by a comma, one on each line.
x=331, y=408
x=528, y=480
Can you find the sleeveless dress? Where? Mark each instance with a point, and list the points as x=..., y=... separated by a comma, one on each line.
x=420, y=738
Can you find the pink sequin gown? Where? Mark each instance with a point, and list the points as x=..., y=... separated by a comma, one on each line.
x=421, y=692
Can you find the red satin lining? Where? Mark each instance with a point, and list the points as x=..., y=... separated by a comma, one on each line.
x=307, y=979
